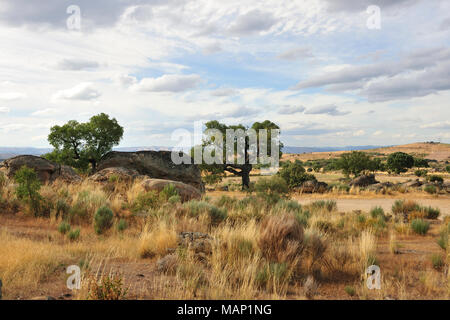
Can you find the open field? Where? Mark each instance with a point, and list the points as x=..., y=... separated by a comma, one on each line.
x=246, y=257
x=433, y=151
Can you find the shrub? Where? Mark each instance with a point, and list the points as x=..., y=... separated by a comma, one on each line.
x=74, y=235
x=103, y=219
x=447, y=168
x=431, y=213
x=272, y=189
x=405, y=208
x=196, y=208
x=420, y=226
x=288, y=206
x=281, y=238
x=421, y=173
x=350, y=291
x=443, y=240
x=61, y=208
x=28, y=188
x=107, y=288
x=122, y=225
x=168, y=191
x=174, y=199
x=437, y=261
x=430, y=189
x=377, y=212
x=435, y=179
x=145, y=201
x=63, y=227
x=294, y=174
x=329, y=205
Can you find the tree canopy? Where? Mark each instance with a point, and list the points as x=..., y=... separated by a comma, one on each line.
x=400, y=162
x=356, y=162
x=239, y=168
x=80, y=144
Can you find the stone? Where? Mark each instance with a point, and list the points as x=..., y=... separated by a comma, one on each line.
x=363, y=181
x=311, y=186
x=113, y=173
x=47, y=171
x=167, y=264
x=154, y=164
x=186, y=192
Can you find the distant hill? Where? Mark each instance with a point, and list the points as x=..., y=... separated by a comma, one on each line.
x=300, y=150
x=428, y=150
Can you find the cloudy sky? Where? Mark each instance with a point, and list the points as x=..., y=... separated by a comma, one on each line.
x=314, y=67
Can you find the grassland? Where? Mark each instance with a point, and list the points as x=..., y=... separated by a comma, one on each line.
x=295, y=246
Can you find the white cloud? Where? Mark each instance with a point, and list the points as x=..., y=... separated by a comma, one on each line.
x=326, y=109
x=11, y=96
x=291, y=109
x=4, y=110
x=82, y=91
x=437, y=125
x=77, y=64
x=168, y=83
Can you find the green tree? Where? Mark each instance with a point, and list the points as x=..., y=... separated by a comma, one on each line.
x=356, y=162
x=239, y=169
x=400, y=162
x=294, y=174
x=80, y=144
x=28, y=188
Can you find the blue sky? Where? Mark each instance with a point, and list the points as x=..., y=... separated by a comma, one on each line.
x=313, y=67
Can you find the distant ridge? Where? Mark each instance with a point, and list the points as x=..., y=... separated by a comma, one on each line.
x=9, y=152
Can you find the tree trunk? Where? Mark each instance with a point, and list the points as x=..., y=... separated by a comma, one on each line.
x=245, y=174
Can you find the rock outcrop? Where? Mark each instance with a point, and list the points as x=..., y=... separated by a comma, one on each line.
x=114, y=174
x=312, y=186
x=153, y=164
x=186, y=191
x=363, y=181
x=47, y=171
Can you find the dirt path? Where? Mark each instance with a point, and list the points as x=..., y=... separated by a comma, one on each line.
x=385, y=203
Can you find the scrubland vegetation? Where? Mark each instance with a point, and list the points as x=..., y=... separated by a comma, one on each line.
x=263, y=244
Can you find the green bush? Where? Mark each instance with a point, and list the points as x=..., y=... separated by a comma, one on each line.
x=377, y=212
x=28, y=188
x=168, y=191
x=437, y=261
x=145, y=201
x=420, y=226
x=447, y=168
x=196, y=208
x=64, y=227
x=288, y=206
x=272, y=189
x=294, y=174
x=174, y=199
x=421, y=173
x=74, y=235
x=350, y=291
x=431, y=213
x=103, y=219
x=61, y=208
x=329, y=205
x=122, y=225
x=435, y=179
x=430, y=189
x=399, y=162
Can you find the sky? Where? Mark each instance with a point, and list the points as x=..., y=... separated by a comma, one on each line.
x=328, y=72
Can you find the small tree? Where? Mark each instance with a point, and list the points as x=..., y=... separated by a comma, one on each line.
x=356, y=162
x=80, y=144
x=28, y=188
x=294, y=174
x=400, y=162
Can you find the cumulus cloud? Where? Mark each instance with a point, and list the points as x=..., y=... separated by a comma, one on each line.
x=77, y=64
x=361, y=5
x=82, y=91
x=296, y=54
x=11, y=96
x=287, y=109
x=125, y=80
x=168, y=83
x=418, y=74
x=45, y=112
x=437, y=125
x=330, y=109
x=224, y=92
x=252, y=22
